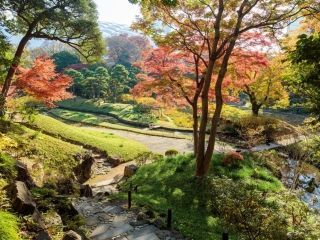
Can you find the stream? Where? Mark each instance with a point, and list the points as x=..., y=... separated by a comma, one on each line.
x=303, y=178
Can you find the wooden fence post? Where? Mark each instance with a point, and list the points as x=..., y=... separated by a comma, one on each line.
x=169, y=219
x=225, y=236
x=129, y=199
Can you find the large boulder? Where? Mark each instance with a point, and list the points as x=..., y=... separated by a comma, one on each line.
x=84, y=170
x=21, y=198
x=23, y=174
x=130, y=170
x=71, y=235
x=43, y=235
x=86, y=191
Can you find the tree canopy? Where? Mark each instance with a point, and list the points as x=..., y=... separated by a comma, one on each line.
x=72, y=22
x=64, y=59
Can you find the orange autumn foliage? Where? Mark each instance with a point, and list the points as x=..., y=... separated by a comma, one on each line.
x=43, y=83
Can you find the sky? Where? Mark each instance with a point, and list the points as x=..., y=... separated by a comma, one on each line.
x=117, y=11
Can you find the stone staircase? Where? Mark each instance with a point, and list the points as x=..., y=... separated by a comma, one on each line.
x=106, y=220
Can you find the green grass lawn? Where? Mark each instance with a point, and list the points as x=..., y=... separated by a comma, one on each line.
x=124, y=111
x=99, y=120
x=170, y=183
x=115, y=146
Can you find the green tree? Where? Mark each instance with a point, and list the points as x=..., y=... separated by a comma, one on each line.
x=64, y=59
x=305, y=80
x=118, y=83
x=5, y=56
x=77, y=81
x=102, y=82
x=73, y=22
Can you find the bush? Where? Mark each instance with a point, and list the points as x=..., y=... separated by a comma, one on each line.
x=232, y=159
x=171, y=152
x=8, y=226
x=247, y=211
x=127, y=98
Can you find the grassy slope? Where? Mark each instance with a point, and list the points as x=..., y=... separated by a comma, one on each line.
x=169, y=183
x=124, y=111
x=8, y=226
x=103, y=122
x=55, y=155
x=115, y=146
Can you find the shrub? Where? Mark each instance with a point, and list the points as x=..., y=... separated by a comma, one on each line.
x=127, y=98
x=8, y=226
x=232, y=159
x=171, y=152
x=247, y=211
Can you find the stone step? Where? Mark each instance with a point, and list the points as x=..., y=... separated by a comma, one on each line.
x=105, y=232
x=145, y=233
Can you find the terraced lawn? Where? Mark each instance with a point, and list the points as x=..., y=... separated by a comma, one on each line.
x=115, y=146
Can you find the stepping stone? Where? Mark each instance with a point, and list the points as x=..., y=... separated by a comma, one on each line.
x=92, y=221
x=113, y=209
x=150, y=236
x=145, y=233
x=103, y=217
x=100, y=230
x=104, y=232
x=120, y=219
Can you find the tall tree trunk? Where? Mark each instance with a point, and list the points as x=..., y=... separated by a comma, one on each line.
x=204, y=120
x=195, y=127
x=11, y=72
x=204, y=159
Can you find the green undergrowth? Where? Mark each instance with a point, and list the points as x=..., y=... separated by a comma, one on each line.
x=48, y=156
x=9, y=229
x=89, y=118
x=115, y=146
x=170, y=183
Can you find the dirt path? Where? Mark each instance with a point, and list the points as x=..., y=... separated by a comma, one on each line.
x=159, y=144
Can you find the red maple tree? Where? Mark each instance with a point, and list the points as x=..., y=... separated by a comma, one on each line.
x=43, y=83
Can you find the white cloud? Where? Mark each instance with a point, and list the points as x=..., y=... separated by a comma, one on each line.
x=117, y=11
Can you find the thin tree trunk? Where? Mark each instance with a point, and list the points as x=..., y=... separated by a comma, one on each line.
x=12, y=70
x=195, y=127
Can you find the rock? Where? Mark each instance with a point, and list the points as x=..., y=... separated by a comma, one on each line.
x=38, y=219
x=86, y=191
x=159, y=223
x=150, y=213
x=141, y=216
x=283, y=155
x=23, y=174
x=84, y=170
x=139, y=223
x=130, y=170
x=52, y=219
x=104, y=232
x=43, y=235
x=21, y=198
x=145, y=233
x=311, y=186
x=114, y=161
x=71, y=235
x=66, y=186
